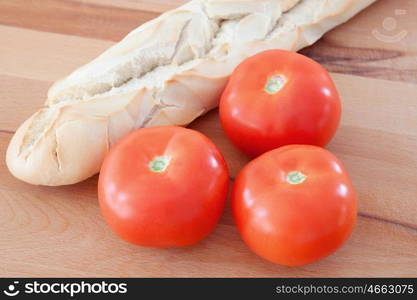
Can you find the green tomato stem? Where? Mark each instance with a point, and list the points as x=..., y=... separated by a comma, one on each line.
x=159, y=164
x=296, y=177
x=274, y=84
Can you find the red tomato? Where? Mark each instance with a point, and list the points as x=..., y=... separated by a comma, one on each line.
x=294, y=205
x=277, y=98
x=163, y=187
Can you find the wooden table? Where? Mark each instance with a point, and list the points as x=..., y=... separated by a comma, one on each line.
x=59, y=231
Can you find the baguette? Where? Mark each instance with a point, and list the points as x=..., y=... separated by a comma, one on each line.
x=168, y=71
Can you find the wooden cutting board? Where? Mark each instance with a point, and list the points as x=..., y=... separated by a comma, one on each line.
x=59, y=231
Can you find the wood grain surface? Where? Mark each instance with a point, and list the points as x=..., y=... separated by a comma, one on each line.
x=59, y=231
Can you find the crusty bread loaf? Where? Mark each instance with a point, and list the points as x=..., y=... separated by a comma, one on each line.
x=168, y=71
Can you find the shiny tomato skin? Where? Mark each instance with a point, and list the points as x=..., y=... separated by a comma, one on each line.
x=294, y=224
x=176, y=207
x=306, y=110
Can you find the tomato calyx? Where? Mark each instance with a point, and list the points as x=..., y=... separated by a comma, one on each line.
x=159, y=164
x=296, y=177
x=274, y=84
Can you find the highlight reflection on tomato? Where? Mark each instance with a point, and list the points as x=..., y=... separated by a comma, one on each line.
x=278, y=98
x=294, y=205
x=163, y=187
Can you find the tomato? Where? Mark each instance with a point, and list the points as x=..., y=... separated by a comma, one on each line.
x=278, y=98
x=163, y=187
x=294, y=205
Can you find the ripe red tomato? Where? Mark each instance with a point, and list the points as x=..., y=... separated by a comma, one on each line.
x=163, y=187
x=278, y=98
x=294, y=205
